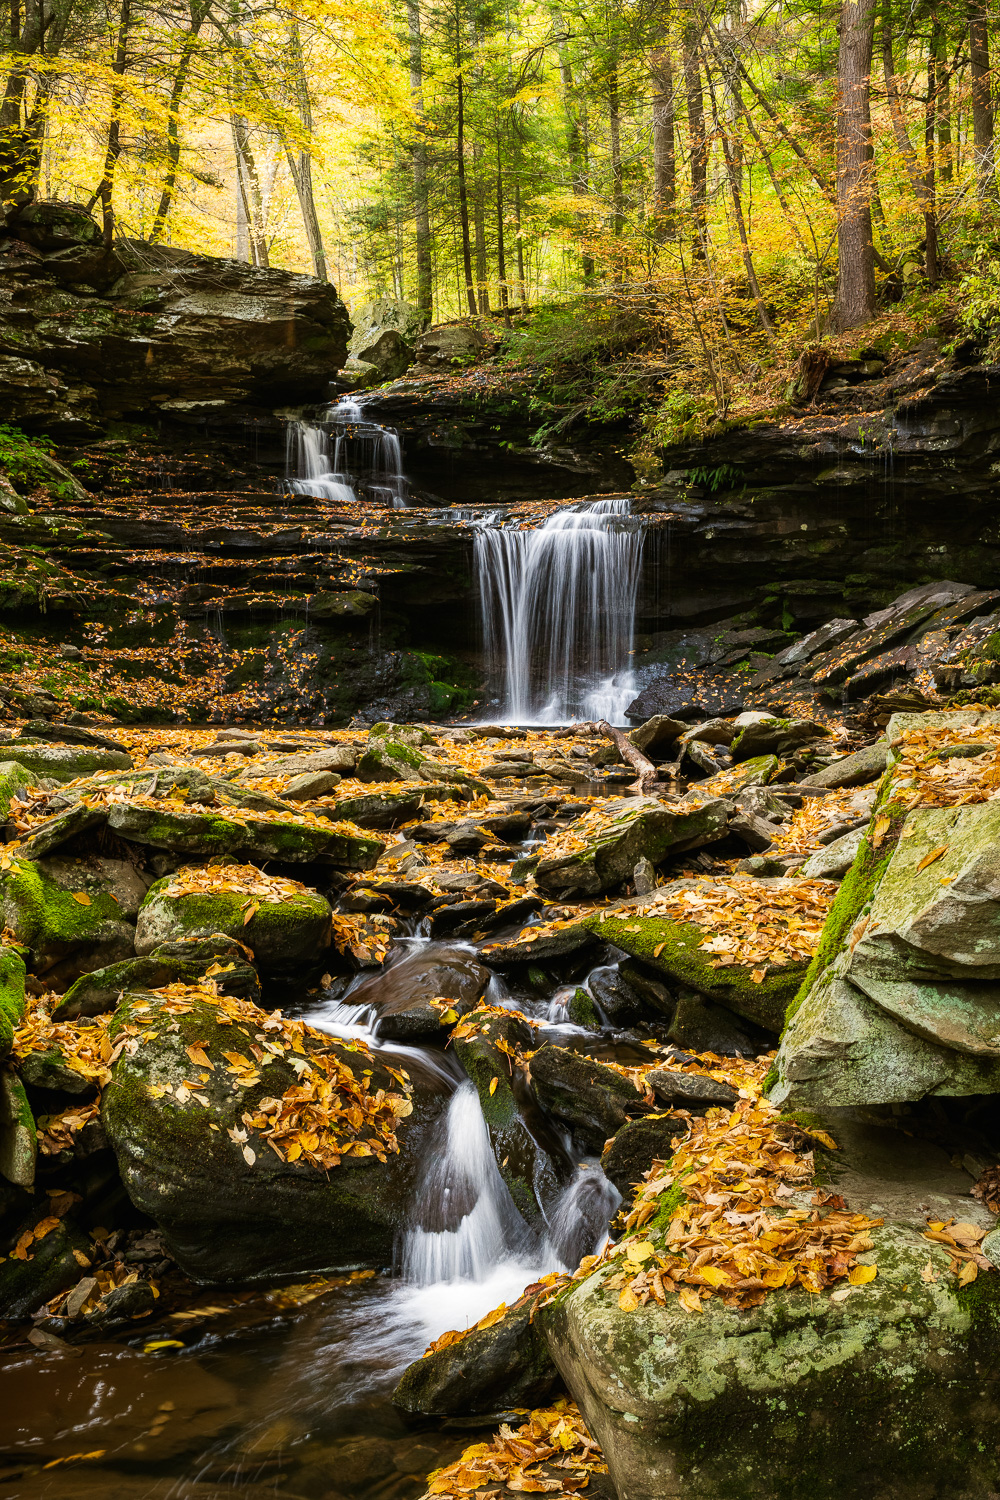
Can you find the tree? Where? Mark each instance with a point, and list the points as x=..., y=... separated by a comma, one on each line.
x=855, y=301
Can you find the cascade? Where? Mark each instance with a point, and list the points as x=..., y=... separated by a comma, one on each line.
x=345, y=457
x=558, y=611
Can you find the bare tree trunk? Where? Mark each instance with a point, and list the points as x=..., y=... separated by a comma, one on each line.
x=641, y=764
x=732, y=161
x=421, y=206
x=249, y=184
x=617, y=182
x=942, y=108
x=664, y=161
x=501, y=250
x=982, y=107
x=463, y=195
x=522, y=286
x=930, y=164
x=697, y=138
x=575, y=148
x=300, y=161
x=105, y=188
x=855, y=300
x=199, y=12
x=922, y=187
x=479, y=226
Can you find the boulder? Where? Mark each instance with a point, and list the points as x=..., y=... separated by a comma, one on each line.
x=311, y=784
x=67, y=762
x=14, y=778
x=340, y=758
x=889, y=1392
x=698, y=1025
x=779, y=737
x=18, y=1136
x=98, y=993
x=690, y=1090
x=853, y=770
x=755, y=772
x=448, y=348
x=47, y=1265
x=295, y=929
x=372, y=319
x=833, y=860
x=231, y=1208
x=629, y=1155
x=388, y=353
x=401, y=994
x=72, y=915
x=52, y=224
x=12, y=976
x=241, y=833
x=600, y=850
x=494, y=1369
x=592, y=1101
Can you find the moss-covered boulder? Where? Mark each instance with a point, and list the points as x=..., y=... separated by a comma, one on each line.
x=630, y=1153
x=12, y=975
x=67, y=762
x=397, y=753
x=98, y=993
x=781, y=737
x=684, y=952
x=929, y=954
x=281, y=921
x=590, y=1100
x=49, y=1255
x=530, y=1158
x=259, y=1146
x=600, y=851
x=71, y=915
x=13, y=778
x=217, y=833
x=755, y=772
x=18, y=1136
x=886, y=1389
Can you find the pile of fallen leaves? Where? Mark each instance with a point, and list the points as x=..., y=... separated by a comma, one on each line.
x=552, y=1452
x=800, y=835
x=83, y=1045
x=58, y=1132
x=240, y=880
x=366, y=938
x=929, y=773
x=456, y=1335
x=962, y=1241
x=750, y=923
x=331, y=1111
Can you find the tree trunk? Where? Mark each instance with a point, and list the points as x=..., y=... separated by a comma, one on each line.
x=855, y=300
x=942, y=103
x=300, y=161
x=501, y=250
x=930, y=165
x=575, y=149
x=921, y=184
x=617, y=183
x=982, y=108
x=199, y=11
x=522, y=286
x=664, y=162
x=421, y=206
x=105, y=188
x=697, y=138
x=463, y=196
x=249, y=184
x=479, y=226
x=733, y=172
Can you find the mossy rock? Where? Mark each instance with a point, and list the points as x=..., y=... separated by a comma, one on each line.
x=12, y=1004
x=98, y=993
x=13, y=778
x=71, y=915
x=296, y=929
x=593, y=1102
x=623, y=832
x=493, y=1369
x=211, y=833
x=227, y=1218
x=52, y=1264
x=67, y=762
x=779, y=737
x=18, y=1136
x=533, y=1174
x=674, y=949
x=755, y=772
x=783, y=1401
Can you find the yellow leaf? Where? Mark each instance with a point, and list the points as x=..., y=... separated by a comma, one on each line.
x=449, y=1017
x=82, y=897
x=758, y=976
x=493, y=1085
x=690, y=1300
x=861, y=1275
x=196, y=1052
x=929, y=858
x=639, y=1250
x=880, y=828
x=968, y=1273
x=627, y=1300
x=714, y=1276
x=162, y=1344
x=658, y=949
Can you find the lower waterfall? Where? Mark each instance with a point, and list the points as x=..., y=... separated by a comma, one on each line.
x=558, y=612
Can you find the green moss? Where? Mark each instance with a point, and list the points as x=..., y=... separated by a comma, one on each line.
x=13, y=778
x=43, y=915
x=12, y=1006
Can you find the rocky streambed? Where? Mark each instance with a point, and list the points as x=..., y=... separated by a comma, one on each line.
x=663, y=1120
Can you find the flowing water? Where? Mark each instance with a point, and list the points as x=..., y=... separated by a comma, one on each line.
x=346, y=457
x=558, y=613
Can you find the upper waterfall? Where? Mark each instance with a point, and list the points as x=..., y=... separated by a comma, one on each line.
x=346, y=457
x=558, y=612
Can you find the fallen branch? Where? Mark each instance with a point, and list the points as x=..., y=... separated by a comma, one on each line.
x=646, y=772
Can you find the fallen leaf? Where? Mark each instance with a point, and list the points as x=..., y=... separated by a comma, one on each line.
x=931, y=856
x=861, y=1275
x=249, y=1155
x=639, y=1250
x=968, y=1273
x=690, y=1300
x=82, y=897
x=627, y=1300
x=493, y=1085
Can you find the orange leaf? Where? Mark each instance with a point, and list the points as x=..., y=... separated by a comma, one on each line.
x=82, y=897
x=929, y=858
x=196, y=1052
x=493, y=1085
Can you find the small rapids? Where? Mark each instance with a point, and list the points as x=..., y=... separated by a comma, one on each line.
x=345, y=457
x=557, y=608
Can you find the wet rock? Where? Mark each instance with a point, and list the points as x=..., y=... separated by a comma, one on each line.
x=712, y=1419
x=461, y=918
x=98, y=993
x=628, y=1157
x=233, y=1210
x=296, y=929
x=690, y=1090
x=380, y=809
x=51, y=224
x=48, y=1265
x=575, y=938
x=530, y=1165
x=699, y=1026
x=18, y=1137
x=591, y=1100
x=775, y=737
x=491, y=1369
x=401, y=994
x=853, y=770
x=73, y=915
x=617, y=834
x=653, y=994
x=619, y=1000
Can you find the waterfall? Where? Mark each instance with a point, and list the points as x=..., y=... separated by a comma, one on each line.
x=558, y=612
x=346, y=457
